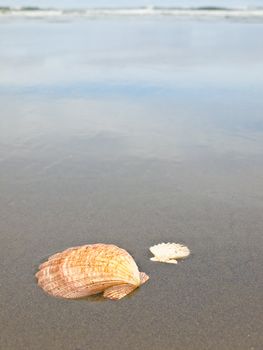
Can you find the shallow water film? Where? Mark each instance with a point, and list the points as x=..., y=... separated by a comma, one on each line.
x=133, y=132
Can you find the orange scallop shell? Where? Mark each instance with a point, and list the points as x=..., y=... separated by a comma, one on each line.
x=90, y=269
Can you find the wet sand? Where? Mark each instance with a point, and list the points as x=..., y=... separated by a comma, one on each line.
x=133, y=133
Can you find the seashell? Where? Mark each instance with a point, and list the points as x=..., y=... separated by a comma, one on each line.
x=169, y=252
x=90, y=269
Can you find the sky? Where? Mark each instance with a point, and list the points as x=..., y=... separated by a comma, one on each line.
x=130, y=3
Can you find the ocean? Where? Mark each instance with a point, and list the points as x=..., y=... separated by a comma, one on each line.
x=198, y=9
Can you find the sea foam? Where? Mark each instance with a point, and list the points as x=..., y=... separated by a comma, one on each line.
x=150, y=11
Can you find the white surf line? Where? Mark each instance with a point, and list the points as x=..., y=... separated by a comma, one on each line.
x=198, y=13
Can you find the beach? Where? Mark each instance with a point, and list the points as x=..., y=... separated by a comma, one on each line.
x=133, y=132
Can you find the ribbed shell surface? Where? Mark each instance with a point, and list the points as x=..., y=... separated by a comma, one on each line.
x=166, y=251
x=87, y=270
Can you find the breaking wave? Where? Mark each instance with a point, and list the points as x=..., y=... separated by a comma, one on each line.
x=151, y=11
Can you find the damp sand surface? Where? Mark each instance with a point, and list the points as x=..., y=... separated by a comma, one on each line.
x=133, y=132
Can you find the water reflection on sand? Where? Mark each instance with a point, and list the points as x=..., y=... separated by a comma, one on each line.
x=133, y=133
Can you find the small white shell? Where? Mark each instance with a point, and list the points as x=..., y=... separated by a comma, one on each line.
x=169, y=252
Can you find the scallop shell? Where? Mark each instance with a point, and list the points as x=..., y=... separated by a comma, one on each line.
x=90, y=269
x=169, y=252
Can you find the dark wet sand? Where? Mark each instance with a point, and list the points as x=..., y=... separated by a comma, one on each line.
x=166, y=145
